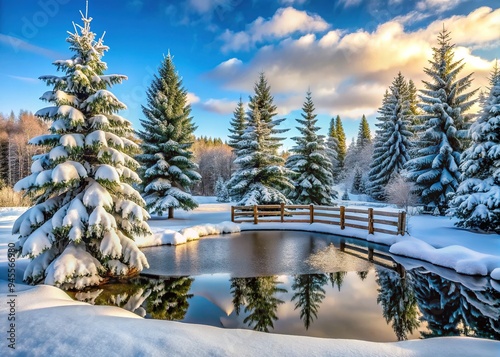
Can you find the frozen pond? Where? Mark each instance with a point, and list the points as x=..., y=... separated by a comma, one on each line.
x=306, y=284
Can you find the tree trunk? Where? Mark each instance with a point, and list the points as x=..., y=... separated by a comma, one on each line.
x=170, y=212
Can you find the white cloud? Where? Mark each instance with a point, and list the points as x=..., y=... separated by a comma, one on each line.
x=19, y=45
x=219, y=106
x=349, y=3
x=437, y=5
x=292, y=2
x=25, y=79
x=349, y=72
x=285, y=22
x=192, y=98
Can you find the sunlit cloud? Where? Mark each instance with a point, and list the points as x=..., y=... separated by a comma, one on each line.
x=348, y=72
x=192, y=98
x=219, y=106
x=285, y=21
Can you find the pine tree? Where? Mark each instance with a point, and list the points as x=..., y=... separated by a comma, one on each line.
x=435, y=166
x=364, y=134
x=392, y=141
x=167, y=159
x=311, y=167
x=342, y=145
x=260, y=177
x=477, y=200
x=238, y=124
x=86, y=212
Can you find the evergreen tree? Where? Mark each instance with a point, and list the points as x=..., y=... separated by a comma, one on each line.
x=392, y=140
x=435, y=167
x=238, y=125
x=221, y=190
x=342, y=145
x=167, y=159
x=86, y=212
x=332, y=144
x=357, y=182
x=477, y=201
x=261, y=177
x=415, y=119
x=364, y=134
x=311, y=167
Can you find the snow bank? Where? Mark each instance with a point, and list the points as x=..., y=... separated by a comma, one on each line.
x=172, y=237
x=462, y=260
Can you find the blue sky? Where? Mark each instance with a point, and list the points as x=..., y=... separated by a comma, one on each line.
x=347, y=52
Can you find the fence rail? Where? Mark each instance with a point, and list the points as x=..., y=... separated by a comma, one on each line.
x=368, y=219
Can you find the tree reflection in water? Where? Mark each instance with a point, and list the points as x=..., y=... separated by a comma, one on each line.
x=165, y=299
x=258, y=296
x=451, y=308
x=399, y=305
x=309, y=294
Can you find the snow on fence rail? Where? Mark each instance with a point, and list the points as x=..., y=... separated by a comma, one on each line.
x=369, y=219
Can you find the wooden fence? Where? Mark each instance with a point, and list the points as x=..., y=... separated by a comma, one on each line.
x=368, y=219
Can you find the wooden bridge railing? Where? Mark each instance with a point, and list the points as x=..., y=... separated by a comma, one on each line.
x=368, y=219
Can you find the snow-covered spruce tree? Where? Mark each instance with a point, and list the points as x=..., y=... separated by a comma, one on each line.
x=238, y=125
x=392, y=140
x=310, y=165
x=435, y=163
x=168, y=169
x=332, y=144
x=221, y=190
x=86, y=212
x=357, y=181
x=260, y=177
x=477, y=200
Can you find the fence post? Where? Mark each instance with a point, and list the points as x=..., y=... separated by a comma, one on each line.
x=402, y=222
x=255, y=217
x=342, y=217
x=282, y=208
x=342, y=245
x=232, y=214
x=370, y=254
x=371, y=229
x=311, y=214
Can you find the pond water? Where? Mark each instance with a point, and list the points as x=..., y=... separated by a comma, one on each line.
x=305, y=284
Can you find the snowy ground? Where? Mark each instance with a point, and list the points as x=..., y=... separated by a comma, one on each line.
x=47, y=322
